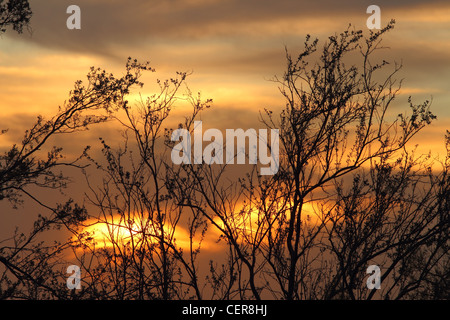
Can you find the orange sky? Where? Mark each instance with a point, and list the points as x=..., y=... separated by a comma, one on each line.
x=233, y=47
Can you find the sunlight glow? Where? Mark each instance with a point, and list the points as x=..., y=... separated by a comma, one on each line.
x=117, y=233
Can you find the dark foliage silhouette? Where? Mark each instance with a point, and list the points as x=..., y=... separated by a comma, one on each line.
x=14, y=13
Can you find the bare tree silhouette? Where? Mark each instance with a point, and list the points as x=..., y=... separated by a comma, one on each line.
x=26, y=171
x=143, y=258
x=348, y=193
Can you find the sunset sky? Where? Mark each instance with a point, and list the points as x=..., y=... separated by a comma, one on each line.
x=233, y=48
x=350, y=197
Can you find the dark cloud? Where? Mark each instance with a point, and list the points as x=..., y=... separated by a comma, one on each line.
x=225, y=38
x=109, y=24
